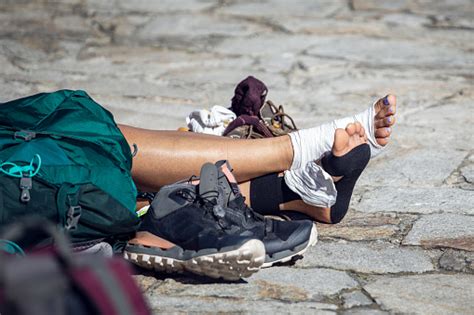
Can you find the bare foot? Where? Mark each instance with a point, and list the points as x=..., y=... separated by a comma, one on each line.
x=347, y=139
x=384, y=119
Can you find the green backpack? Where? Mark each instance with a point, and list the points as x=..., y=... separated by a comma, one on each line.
x=63, y=157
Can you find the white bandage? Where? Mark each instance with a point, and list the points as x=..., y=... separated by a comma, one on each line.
x=312, y=184
x=310, y=144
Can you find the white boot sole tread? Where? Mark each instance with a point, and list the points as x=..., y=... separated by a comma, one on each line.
x=231, y=265
x=313, y=239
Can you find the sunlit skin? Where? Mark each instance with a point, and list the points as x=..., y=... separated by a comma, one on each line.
x=165, y=157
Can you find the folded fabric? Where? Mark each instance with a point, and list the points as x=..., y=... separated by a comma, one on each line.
x=312, y=184
x=249, y=96
x=212, y=122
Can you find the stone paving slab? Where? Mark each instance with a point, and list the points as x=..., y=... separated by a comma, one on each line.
x=193, y=26
x=358, y=226
x=355, y=233
x=280, y=284
x=280, y=8
x=408, y=168
x=316, y=282
x=304, y=289
x=145, y=7
x=443, y=230
x=468, y=173
x=364, y=311
x=405, y=54
x=210, y=305
x=417, y=200
x=454, y=260
x=367, y=258
x=424, y=294
x=355, y=298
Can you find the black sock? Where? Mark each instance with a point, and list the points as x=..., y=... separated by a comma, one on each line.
x=268, y=192
x=350, y=166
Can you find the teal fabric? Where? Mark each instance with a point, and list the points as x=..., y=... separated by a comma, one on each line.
x=51, y=153
x=79, y=144
x=84, y=130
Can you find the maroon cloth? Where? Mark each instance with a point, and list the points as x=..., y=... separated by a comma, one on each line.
x=249, y=97
x=96, y=290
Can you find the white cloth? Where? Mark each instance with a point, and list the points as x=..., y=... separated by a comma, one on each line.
x=312, y=184
x=310, y=144
x=212, y=122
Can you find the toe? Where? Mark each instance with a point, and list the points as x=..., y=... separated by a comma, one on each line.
x=341, y=139
x=383, y=132
x=385, y=122
x=392, y=100
x=351, y=129
x=358, y=126
x=382, y=103
x=386, y=106
x=359, y=141
x=362, y=132
x=391, y=120
x=391, y=111
x=382, y=141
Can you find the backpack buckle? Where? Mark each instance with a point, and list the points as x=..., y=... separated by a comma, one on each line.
x=24, y=134
x=73, y=215
x=25, y=185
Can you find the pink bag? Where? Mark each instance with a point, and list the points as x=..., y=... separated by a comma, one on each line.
x=55, y=281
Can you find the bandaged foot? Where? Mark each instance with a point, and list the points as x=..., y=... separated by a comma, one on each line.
x=310, y=144
x=344, y=162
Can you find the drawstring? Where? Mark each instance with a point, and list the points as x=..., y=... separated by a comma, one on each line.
x=25, y=173
x=22, y=171
x=11, y=247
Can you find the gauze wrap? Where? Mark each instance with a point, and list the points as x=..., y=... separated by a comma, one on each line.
x=310, y=144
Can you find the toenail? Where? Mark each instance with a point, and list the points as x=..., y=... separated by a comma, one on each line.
x=385, y=100
x=390, y=110
x=389, y=129
x=389, y=119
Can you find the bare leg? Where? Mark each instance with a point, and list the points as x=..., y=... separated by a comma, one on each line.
x=167, y=156
x=320, y=214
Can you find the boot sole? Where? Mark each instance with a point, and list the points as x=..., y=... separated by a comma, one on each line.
x=230, y=265
x=313, y=239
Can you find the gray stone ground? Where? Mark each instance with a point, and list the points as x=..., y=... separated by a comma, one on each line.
x=407, y=245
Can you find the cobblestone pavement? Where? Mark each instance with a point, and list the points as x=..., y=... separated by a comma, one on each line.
x=407, y=245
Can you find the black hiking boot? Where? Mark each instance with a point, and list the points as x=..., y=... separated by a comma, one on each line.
x=182, y=230
x=283, y=240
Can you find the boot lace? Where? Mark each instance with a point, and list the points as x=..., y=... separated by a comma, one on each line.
x=207, y=202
